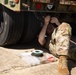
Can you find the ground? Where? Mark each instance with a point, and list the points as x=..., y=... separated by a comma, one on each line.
x=12, y=64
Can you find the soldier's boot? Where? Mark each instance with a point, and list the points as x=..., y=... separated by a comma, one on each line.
x=62, y=66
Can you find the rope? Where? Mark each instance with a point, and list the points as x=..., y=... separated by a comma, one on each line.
x=73, y=42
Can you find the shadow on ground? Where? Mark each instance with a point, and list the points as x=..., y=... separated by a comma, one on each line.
x=33, y=44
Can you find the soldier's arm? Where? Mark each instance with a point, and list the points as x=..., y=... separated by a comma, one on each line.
x=41, y=37
x=55, y=20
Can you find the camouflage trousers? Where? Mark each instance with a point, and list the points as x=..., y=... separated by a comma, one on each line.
x=60, y=40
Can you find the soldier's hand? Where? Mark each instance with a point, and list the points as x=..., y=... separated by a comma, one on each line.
x=47, y=20
x=55, y=20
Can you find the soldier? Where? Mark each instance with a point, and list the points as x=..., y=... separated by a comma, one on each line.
x=56, y=41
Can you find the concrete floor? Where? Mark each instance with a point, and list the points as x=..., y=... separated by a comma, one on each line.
x=12, y=64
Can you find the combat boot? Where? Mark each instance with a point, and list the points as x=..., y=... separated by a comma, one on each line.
x=62, y=66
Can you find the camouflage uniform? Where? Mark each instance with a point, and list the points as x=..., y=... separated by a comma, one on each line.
x=59, y=43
